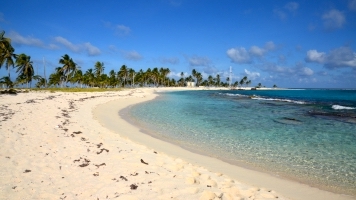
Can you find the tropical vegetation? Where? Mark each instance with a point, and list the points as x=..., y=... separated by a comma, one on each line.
x=69, y=75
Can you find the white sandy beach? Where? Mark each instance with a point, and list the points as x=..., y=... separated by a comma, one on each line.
x=76, y=146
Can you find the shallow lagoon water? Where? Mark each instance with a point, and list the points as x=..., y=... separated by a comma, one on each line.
x=304, y=135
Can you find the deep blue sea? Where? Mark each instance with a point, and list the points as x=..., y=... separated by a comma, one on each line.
x=307, y=135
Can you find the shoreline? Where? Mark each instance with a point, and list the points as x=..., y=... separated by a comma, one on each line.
x=287, y=188
x=76, y=146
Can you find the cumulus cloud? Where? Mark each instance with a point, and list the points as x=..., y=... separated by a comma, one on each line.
x=132, y=55
x=169, y=60
x=91, y=50
x=333, y=19
x=67, y=44
x=336, y=58
x=315, y=56
x=122, y=30
x=257, y=51
x=252, y=75
x=198, y=61
x=77, y=48
x=16, y=38
x=295, y=72
x=238, y=55
x=241, y=55
x=352, y=5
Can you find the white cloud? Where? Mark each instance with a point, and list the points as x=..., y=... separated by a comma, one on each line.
x=132, y=55
x=169, y=60
x=341, y=57
x=77, y=48
x=122, y=30
x=257, y=51
x=336, y=58
x=66, y=43
x=238, y=55
x=352, y=5
x=315, y=56
x=198, y=61
x=241, y=55
x=306, y=71
x=333, y=19
x=292, y=6
x=252, y=75
x=21, y=40
x=269, y=46
x=91, y=50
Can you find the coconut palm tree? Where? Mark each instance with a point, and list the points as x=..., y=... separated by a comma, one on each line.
x=69, y=67
x=210, y=80
x=218, y=80
x=199, y=78
x=56, y=78
x=78, y=78
x=6, y=81
x=6, y=53
x=25, y=68
x=123, y=72
x=89, y=78
x=182, y=78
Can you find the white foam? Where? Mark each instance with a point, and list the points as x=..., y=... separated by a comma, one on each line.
x=338, y=107
x=283, y=100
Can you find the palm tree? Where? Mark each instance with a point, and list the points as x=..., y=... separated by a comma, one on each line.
x=131, y=74
x=218, y=80
x=242, y=82
x=6, y=81
x=274, y=86
x=89, y=78
x=25, y=68
x=98, y=68
x=199, y=78
x=123, y=73
x=56, y=78
x=6, y=52
x=77, y=78
x=69, y=67
x=182, y=78
x=210, y=80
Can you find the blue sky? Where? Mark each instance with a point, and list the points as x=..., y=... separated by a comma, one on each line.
x=287, y=43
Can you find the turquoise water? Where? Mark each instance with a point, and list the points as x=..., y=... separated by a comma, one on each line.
x=304, y=135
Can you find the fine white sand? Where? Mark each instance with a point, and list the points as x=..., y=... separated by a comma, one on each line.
x=76, y=146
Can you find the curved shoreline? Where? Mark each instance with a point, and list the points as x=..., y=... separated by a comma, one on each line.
x=108, y=115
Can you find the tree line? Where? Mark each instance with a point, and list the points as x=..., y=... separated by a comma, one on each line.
x=70, y=73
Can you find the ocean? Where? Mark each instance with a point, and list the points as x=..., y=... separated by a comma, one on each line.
x=307, y=135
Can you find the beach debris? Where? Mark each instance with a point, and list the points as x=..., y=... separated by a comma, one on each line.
x=101, y=150
x=99, y=145
x=155, y=152
x=78, y=132
x=123, y=178
x=133, y=187
x=14, y=187
x=102, y=164
x=96, y=174
x=144, y=162
x=27, y=170
x=135, y=174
